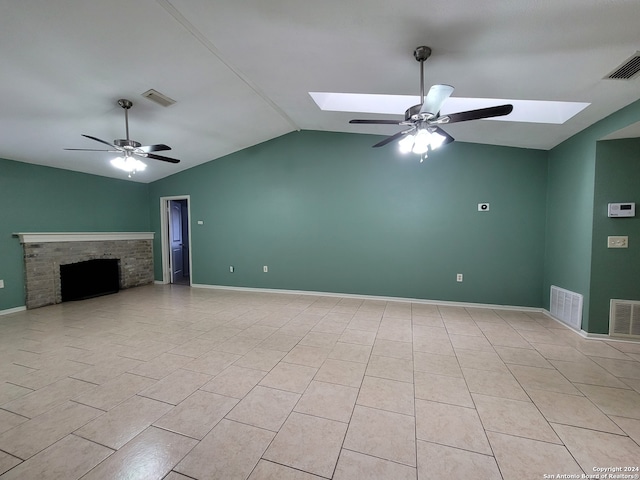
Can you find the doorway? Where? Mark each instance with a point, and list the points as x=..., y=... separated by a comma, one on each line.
x=176, y=240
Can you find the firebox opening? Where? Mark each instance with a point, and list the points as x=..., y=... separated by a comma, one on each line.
x=88, y=279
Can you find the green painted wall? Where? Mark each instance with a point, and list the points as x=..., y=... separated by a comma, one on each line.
x=570, y=219
x=326, y=212
x=570, y=208
x=615, y=273
x=43, y=199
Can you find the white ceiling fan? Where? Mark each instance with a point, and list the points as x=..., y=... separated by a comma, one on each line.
x=424, y=120
x=129, y=149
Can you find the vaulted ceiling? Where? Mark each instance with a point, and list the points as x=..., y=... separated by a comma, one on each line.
x=241, y=71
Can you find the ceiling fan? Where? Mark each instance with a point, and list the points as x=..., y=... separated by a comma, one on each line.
x=129, y=149
x=424, y=120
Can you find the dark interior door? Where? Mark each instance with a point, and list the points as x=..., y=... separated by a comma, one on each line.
x=176, y=241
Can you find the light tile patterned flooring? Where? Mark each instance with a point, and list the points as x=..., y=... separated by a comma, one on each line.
x=177, y=383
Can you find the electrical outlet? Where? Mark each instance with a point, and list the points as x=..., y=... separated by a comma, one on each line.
x=483, y=207
x=200, y=222
x=1, y=283
x=618, y=242
x=265, y=269
x=459, y=277
x=231, y=269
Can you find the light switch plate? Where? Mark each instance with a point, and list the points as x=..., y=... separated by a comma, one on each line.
x=1, y=283
x=618, y=242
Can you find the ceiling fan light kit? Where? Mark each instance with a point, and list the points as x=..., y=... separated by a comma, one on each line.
x=421, y=143
x=129, y=164
x=424, y=133
x=129, y=149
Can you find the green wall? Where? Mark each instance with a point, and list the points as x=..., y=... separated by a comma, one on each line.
x=570, y=208
x=570, y=219
x=326, y=212
x=43, y=199
x=615, y=273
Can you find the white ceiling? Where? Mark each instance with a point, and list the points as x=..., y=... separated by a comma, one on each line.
x=241, y=70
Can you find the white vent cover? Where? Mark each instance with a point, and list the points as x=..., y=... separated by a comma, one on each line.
x=566, y=306
x=624, y=318
x=158, y=97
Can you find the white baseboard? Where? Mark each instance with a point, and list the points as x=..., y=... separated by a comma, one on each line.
x=9, y=311
x=582, y=333
x=587, y=335
x=370, y=297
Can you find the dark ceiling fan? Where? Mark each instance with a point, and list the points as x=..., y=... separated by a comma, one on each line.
x=129, y=148
x=424, y=120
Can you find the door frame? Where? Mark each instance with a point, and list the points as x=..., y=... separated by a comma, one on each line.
x=164, y=235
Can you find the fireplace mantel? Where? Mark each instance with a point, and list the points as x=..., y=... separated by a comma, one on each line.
x=48, y=237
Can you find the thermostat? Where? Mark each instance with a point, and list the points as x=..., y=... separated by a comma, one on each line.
x=622, y=209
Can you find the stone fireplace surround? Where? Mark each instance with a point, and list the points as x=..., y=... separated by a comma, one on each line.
x=45, y=252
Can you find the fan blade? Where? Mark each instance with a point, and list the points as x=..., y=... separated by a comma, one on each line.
x=488, y=112
x=91, y=150
x=376, y=122
x=436, y=97
x=160, y=157
x=392, y=138
x=448, y=138
x=154, y=148
x=101, y=141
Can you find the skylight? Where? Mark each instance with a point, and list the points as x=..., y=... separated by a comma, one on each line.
x=531, y=111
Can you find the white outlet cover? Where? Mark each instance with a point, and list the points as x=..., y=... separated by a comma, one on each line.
x=483, y=207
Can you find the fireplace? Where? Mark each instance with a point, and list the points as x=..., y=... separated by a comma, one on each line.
x=88, y=279
x=46, y=255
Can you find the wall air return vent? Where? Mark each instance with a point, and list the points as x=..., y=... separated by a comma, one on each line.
x=158, y=97
x=566, y=306
x=624, y=318
x=627, y=70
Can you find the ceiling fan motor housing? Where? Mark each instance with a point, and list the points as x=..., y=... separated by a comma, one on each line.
x=124, y=143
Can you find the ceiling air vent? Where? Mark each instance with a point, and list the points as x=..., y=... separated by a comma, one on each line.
x=627, y=70
x=159, y=98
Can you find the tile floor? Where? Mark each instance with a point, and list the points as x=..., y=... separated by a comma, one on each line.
x=175, y=383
